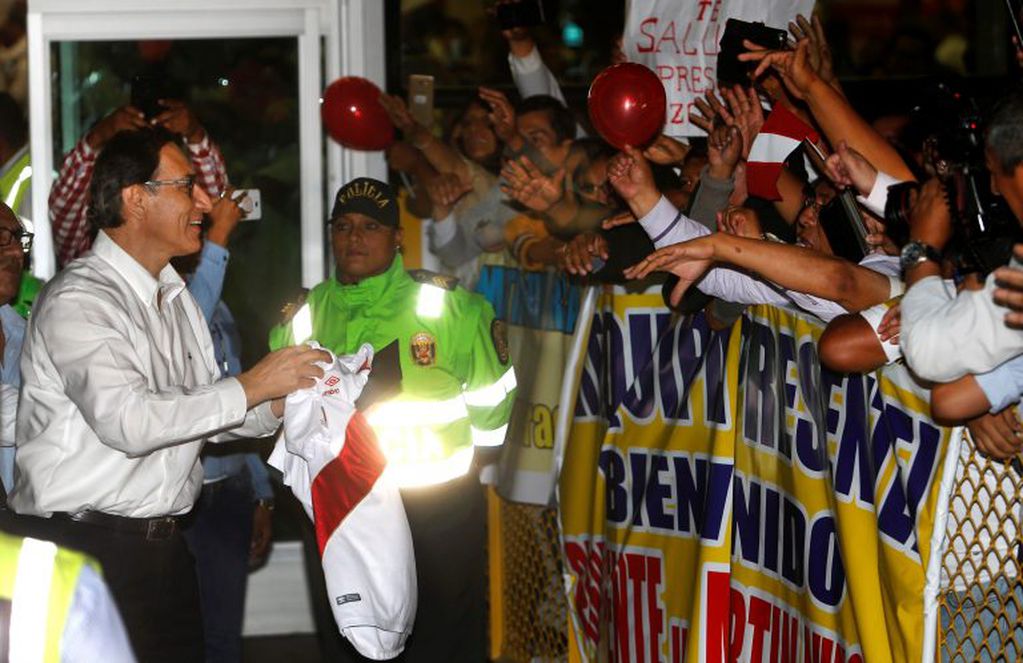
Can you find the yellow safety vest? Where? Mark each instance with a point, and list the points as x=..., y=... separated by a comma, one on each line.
x=14, y=181
x=39, y=580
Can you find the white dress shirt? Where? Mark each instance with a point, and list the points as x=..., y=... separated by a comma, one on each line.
x=666, y=225
x=120, y=389
x=945, y=336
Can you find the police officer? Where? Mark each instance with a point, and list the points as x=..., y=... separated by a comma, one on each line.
x=446, y=420
x=54, y=606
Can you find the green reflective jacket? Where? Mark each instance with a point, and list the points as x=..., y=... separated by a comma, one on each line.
x=457, y=387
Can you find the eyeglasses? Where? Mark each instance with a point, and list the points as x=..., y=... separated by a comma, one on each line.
x=23, y=237
x=588, y=189
x=186, y=183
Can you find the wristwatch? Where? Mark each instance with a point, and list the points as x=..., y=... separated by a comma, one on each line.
x=916, y=252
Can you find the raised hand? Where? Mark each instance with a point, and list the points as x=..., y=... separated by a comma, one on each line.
x=847, y=167
x=444, y=190
x=746, y=112
x=576, y=257
x=179, y=119
x=711, y=108
x=125, y=118
x=502, y=115
x=741, y=222
x=820, y=53
x=630, y=175
x=399, y=113
x=687, y=260
x=224, y=217
x=525, y=183
x=793, y=67
x=724, y=146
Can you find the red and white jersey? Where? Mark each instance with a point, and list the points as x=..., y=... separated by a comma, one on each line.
x=330, y=459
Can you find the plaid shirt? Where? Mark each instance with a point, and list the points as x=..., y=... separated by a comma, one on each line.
x=72, y=234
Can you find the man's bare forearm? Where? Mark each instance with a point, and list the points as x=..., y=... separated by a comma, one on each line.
x=840, y=121
x=799, y=269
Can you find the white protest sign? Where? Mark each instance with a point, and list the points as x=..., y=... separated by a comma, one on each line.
x=678, y=40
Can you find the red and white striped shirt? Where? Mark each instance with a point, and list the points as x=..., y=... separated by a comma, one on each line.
x=72, y=234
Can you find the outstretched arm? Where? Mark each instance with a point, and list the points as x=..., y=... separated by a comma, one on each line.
x=794, y=268
x=832, y=112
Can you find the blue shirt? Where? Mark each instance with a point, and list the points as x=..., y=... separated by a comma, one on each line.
x=1003, y=385
x=14, y=335
x=10, y=374
x=206, y=284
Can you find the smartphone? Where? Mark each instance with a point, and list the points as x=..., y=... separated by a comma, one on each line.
x=250, y=202
x=842, y=224
x=420, y=98
x=730, y=70
x=814, y=154
x=146, y=92
x=522, y=14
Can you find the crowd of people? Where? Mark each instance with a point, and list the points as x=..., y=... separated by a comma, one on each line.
x=128, y=384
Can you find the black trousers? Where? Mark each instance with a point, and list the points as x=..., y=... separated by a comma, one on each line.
x=153, y=583
x=448, y=524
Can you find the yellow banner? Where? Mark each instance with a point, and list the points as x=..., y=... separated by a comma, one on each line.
x=725, y=498
x=541, y=309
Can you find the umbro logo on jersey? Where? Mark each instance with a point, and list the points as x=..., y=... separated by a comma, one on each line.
x=331, y=381
x=347, y=598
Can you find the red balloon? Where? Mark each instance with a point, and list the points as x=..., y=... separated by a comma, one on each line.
x=627, y=104
x=353, y=115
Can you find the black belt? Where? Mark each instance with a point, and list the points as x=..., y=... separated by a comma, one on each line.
x=152, y=529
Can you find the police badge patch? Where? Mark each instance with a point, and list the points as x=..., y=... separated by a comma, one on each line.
x=424, y=349
x=499, y=335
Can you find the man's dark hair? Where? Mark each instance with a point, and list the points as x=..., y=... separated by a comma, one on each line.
x=1005, y=132
x=130, y=157
x=13, y=127
x=561, y=119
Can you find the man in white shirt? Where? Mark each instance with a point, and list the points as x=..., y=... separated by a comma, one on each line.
x=946, y=336
x=120, y=390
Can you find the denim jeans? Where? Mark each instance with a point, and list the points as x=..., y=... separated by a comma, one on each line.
x=983, y=622
x=219, y=539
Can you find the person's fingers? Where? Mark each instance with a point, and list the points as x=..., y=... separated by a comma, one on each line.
x=531, y=171
x=720, y=109
x=706, y=112
x=679, y=290
x=795, y=30
x=818, y=29
x=652, y=263
x=618, y=220
x=633, y=153
x=559, y=178
x=1009, y=298
x=805, y=29
x=732, y=101
x=739, y=94
x=1003, y=439
x=752, y=47
x=702, y=122
x=776, y=60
